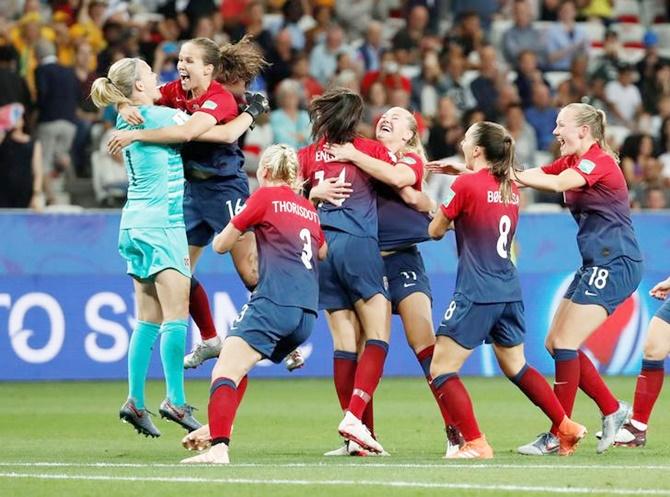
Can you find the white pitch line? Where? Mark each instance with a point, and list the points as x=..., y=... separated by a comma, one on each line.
x=360, y=464
x=370, y=483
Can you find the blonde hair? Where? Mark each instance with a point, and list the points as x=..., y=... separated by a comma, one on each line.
x=117, y=87
x=282, y=162
x=414, y=143
x=596, y=120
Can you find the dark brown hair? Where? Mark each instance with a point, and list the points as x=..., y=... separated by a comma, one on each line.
x=241, y=61
x=498, y=148
x=335, y=115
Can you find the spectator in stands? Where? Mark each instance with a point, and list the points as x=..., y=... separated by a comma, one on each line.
x=13, y=88
x=408, y=40
x=114, y=34
x=357, y=15
x=376, y=103
x=646, y=67
x=280, y=58
x=597, y=10
x=252, y=24
x=388, y=74
x=290, y=124
x=323, y=18
x=24, y=38
x=58, y=96
x=638, y=153
x=624, y=98
x=21, y=175
x=457, y=90
x=528, y=74
x=369, y=53
x=446, y=132
x=294, y=12
x=610, y=59
x=466, y=33
x=310, y=87
x=525, y=141
x=323, y=59
x=655, y=198
x=483, y=9
x=565, y=39
x=486, y=87
x=522, y=36
x=573, y=89
x=542, y=116
x=549, y=10
x=653, y=90
x=87, y=112
x=428, y=86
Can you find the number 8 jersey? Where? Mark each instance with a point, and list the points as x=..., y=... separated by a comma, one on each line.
x=485, y=228
x=288, y=237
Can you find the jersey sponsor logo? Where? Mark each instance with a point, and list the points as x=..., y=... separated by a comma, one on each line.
x=586, y=166
x=450, y=196
x=408, y=160
x=209, y=105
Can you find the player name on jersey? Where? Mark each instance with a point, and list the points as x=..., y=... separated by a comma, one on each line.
x=495, y=197
x=283, y=206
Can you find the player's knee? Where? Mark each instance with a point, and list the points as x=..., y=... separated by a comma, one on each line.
x=655, y=351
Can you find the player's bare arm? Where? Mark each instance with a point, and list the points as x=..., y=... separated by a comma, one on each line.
x=225, y=240
x=439, y=225
x=536, y=178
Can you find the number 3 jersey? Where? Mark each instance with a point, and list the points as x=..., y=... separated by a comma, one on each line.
x=485, y=228
x=357, y=215
x=155, y=174
x=288, y=237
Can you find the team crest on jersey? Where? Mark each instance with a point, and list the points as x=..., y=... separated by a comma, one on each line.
x=210, y=105
x=408, y=160
x=450, y=196
x=586, y=166
x=187, y=262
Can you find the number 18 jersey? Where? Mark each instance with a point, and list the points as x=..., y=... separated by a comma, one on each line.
x=485, y=228
x=288, y=237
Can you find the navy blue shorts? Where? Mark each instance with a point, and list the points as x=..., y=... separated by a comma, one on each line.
x=470, y=324
x=210, y=204
x=353, y=270
x=273, y=330
x=607, y=285
x=664, y=312
x=406, y=275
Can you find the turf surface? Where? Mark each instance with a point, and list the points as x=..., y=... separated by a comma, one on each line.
x=65, y=439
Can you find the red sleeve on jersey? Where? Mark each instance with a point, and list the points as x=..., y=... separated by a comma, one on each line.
x=593, y=167
x=453, y=205
x=168, y=94
x=373, y=149
x=558, y=166
x=221, y=105
x=253, y=212
x=415, y=163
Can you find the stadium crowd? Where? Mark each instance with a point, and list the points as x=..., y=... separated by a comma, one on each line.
x=516, y=62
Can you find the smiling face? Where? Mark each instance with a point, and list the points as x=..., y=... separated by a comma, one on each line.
x=568, y=134
x=194, y=74
x=393, y=128
x=470, y=150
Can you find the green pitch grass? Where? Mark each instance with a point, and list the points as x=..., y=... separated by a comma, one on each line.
x=65, y=439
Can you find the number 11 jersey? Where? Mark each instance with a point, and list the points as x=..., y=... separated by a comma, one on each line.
x=485, y=228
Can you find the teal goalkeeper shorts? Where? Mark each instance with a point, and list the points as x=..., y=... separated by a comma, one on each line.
x=148, y=251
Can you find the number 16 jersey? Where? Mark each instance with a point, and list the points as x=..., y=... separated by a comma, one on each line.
x=485, y=228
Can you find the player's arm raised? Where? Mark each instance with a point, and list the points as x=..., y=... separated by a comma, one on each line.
x=569, y=179
x=397, y=176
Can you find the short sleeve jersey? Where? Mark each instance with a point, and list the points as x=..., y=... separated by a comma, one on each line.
x=155, y=174
x=600, y=208
x=356, y=215
x=399, y=224
x=485, y=228
x=288, y=236
x=210, y=159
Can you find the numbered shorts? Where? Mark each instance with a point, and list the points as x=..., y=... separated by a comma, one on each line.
x=210, y=204
x=353, y=270
x=273, y=330
x=470, y=324
x=664, y=312
x=149, y=251
x=406, y=275
x=607, y=285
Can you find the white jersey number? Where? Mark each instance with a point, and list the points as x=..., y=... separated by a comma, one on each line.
x=321, y=176
x=504, y=227
x=306, y=255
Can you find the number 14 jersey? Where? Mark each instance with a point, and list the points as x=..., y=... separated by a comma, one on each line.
x=288, y=237
x=485, y=228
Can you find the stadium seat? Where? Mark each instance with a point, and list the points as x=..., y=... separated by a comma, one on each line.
x=663, y=32
x=627, y=10
x=631, y=54
x=555, y=78
x=629, y=32
x=498, y=28
x=595, y=31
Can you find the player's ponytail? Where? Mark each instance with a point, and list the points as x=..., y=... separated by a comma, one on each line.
x=498, y=148
x=596, y=120
x=414, y=143
x=282, y=162
x=117, y=87
x=241, y=61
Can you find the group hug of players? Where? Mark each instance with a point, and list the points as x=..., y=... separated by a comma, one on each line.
x=335, y=226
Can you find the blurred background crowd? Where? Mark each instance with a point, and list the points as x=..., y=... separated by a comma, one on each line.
x=452, y=62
